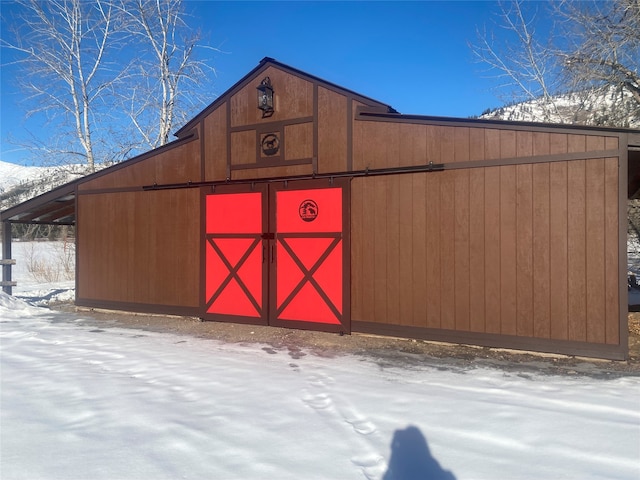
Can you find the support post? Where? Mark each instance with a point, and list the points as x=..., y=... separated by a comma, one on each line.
x=7, y=262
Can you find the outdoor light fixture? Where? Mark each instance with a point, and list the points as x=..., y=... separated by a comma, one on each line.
x=265, y=97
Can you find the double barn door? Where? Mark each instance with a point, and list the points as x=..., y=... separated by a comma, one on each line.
x=275, y=254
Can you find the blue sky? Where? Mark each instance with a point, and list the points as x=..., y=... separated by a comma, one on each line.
x=413, y=56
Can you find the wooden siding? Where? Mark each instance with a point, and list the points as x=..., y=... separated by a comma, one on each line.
x=215, y=145
x=139, y=247
x=527, y=250
x=298, y=141
x=236, y=130
x=378, y=144
x=332, y=131
x=293, y=98
x=243, y=147
x=180, y=164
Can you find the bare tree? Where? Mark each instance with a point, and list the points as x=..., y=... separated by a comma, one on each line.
x=519, y=58
x=81, y=58
x=602, y=51
x=168, y=76
x=590, y=57
x=62, y=45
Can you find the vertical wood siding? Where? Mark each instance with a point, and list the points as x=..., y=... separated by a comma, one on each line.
x=332, y=131
x=298, y=141
x=293, y=98
x=139, y=247
x=526, y=250
x=215, y=144
x=313, y=122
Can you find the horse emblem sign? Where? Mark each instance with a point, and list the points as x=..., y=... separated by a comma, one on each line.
x=270, y=144
x=308, y=210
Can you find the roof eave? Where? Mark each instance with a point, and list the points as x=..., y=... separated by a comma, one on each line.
x=62, y=194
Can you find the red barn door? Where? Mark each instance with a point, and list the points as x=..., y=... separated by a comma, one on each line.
x=308, y=286
x=235, y=266
x=285, y=264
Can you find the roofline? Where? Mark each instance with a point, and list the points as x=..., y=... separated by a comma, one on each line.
x=264, y=63
x=373, y=114
x=70, y=187
x=139, y=158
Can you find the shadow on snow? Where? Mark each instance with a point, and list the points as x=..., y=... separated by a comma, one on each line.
x=411, y=458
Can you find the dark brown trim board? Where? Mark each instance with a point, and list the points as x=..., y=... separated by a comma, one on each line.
x=139, y=307
x=612, y=352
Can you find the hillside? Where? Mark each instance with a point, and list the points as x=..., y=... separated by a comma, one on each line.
x=19, y=183
x=583, y=108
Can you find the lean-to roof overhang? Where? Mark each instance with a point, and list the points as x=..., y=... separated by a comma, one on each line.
x=56, y=207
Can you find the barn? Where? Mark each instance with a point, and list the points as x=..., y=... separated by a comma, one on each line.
x=294, y=202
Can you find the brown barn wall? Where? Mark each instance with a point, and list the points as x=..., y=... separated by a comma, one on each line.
x=272, y=172
x=243, y=147
x=313, y=121
x=139, y=248
x=521, y=250
x=298, y=141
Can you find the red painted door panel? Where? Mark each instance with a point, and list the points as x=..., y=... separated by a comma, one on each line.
x=235, y=272
x=309, y=273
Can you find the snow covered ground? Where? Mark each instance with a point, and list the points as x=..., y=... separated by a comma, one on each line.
x=80, y=400
x=44, y=271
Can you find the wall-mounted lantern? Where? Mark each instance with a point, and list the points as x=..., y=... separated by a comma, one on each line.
x=265, y=97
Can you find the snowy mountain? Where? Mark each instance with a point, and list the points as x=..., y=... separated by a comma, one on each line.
x=19, y=183
x=12, y=175
x=603, y=107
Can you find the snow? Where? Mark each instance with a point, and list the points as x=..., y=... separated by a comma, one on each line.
x=12, y=174
x=44, y=271
x=81, y=399
x=19, y=183
x=607, y=106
